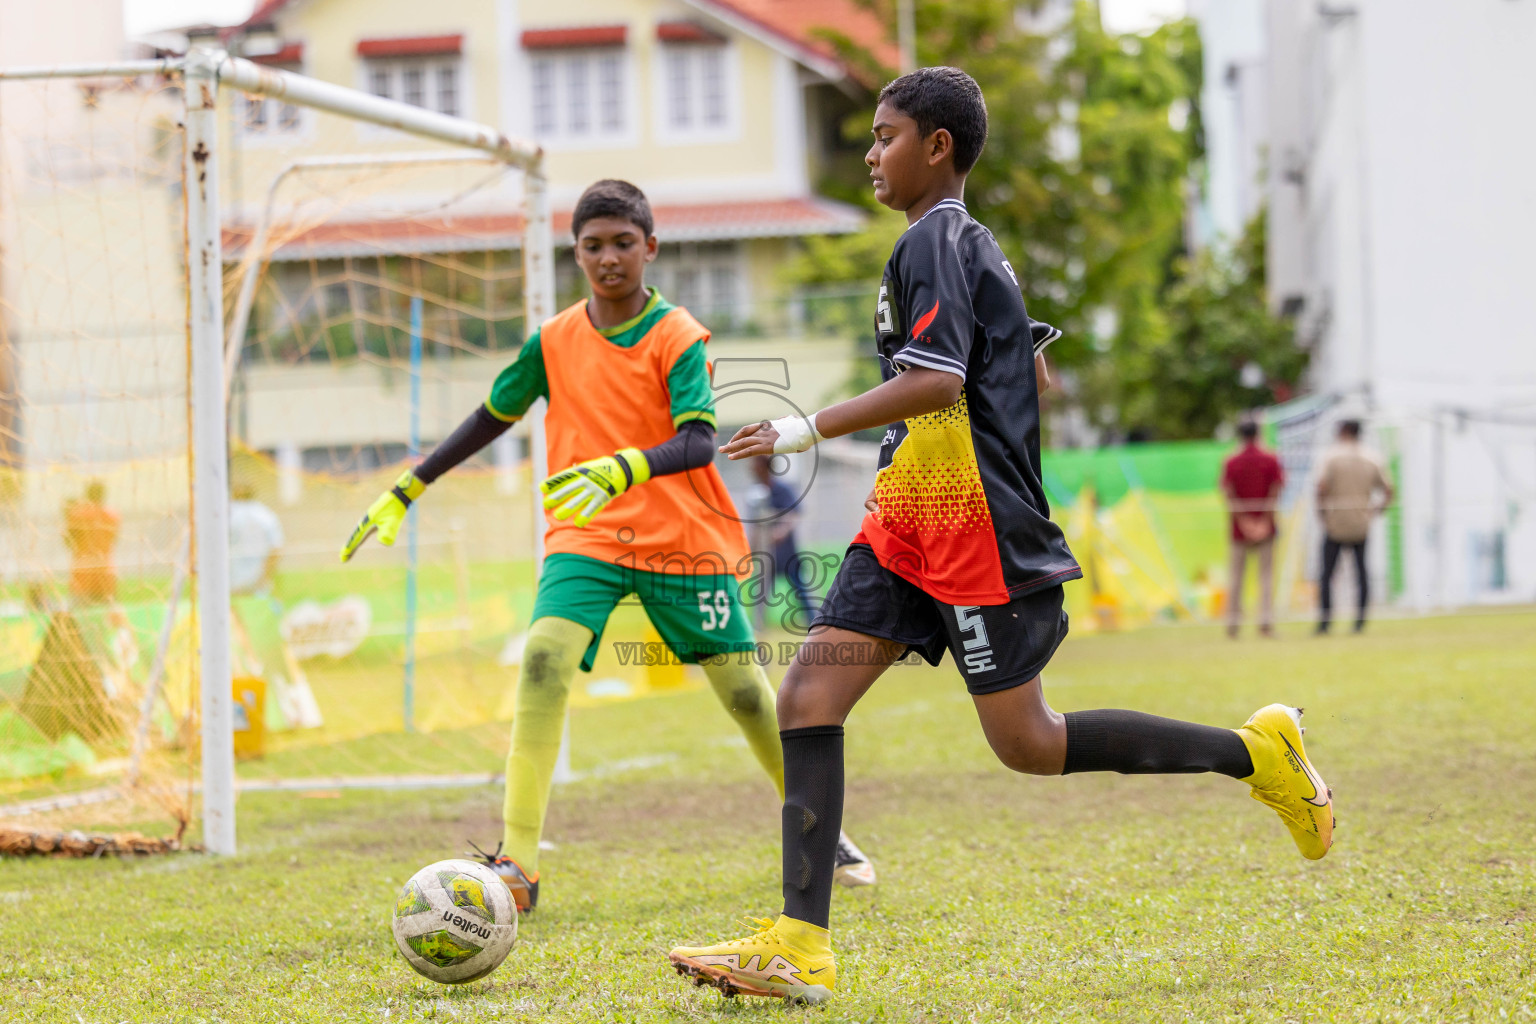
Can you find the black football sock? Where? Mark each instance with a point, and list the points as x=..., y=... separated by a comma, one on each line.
x=813, y=817
x=1132, y=743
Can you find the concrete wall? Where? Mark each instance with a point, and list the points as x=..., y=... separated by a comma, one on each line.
x=1401, y=210
x=322, y=404
x=1232, y=104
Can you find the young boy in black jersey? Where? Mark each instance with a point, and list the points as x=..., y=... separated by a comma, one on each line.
x=957, y=552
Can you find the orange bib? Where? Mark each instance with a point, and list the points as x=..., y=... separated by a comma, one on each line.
x=602, y=398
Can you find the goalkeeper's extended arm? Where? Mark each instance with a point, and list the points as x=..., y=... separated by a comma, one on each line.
x=386, y=515
x=585, y=489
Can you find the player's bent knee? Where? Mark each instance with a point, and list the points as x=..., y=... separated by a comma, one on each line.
x=802, y=703
x=542, y=664
x=550, y=655
x=746, y=702
x=1027, y=754
x=791, y=702
x=1026, y=762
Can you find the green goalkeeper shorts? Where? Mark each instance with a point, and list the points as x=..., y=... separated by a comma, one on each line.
x=697, y=614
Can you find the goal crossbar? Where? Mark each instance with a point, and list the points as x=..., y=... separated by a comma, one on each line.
x=337, y=99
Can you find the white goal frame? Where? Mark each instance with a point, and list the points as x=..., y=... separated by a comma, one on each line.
x=204, y=72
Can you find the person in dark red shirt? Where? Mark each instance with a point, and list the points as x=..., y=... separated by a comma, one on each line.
x=1251, y=480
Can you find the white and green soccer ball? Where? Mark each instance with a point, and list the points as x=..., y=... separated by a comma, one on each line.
x=455, y=921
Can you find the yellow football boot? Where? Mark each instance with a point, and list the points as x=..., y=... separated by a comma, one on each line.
x=1284, y=779
x=784, y=959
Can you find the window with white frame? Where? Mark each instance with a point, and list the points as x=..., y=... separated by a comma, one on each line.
x=430, y=82
x=706, y=277
x=580, y=94
x=709, y=278
x=261, y=115
x=697, y=88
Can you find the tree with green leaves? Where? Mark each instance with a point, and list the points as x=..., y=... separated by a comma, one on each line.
x=1225, y=352
x=1085, y=179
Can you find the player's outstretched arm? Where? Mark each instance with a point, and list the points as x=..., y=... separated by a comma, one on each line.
x=387, y=514
x=585, y=489
x=517, y=387
x=914, y=392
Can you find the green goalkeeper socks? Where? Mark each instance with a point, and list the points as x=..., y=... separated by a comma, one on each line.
x=747, y=695
x=550, y=660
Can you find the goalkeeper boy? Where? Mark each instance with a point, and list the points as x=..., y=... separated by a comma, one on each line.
x=631, y=423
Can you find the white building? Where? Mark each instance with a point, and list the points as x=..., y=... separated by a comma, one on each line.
x=1398, y=152
x=1232, y=104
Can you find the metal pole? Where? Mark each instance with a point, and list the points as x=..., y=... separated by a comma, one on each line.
x=114, y=69
x=1438, y=498
x=906, y=35
x=413, y=452
x=539, y=302
x=210, y=455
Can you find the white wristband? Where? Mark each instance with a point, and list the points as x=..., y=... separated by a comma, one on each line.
x=796, y=434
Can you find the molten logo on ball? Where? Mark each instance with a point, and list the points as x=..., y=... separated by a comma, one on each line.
x=454, y=921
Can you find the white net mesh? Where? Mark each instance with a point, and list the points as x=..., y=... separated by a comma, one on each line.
x=95, y=497
x=389, y=295
x=376, y=295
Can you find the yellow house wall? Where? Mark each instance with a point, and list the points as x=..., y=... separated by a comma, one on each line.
x=763, y=155
x=330, y=30
x=751, y=157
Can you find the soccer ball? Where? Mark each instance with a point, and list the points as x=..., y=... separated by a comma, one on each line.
x=454, y=921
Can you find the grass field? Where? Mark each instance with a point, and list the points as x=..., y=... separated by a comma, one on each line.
x=1091, y=898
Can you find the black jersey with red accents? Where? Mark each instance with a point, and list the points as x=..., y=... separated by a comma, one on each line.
x=962, y=512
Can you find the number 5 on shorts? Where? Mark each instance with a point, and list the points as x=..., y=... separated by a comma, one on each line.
x=715, y=606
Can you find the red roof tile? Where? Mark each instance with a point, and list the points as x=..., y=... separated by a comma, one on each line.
x=291, y=53
x=798, y=22
x=775, y=218
x=410, y=46
x=581, y=35
x=685, y=32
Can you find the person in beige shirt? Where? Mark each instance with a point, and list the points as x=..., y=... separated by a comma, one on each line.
x=1351, y=491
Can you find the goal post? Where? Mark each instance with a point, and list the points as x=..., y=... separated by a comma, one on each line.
x=209, y=445
x=198, y=644
x=206, y=72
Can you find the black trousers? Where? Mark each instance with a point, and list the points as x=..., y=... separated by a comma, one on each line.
x=1331, y=550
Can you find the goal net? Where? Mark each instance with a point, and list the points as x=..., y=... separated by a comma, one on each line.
x=375, y=281
x=95, y=485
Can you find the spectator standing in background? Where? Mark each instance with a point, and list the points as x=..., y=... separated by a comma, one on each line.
x=255, y=539
x=91, y=530
x=1351, y=491
x=780, y=507
x=1251, y=481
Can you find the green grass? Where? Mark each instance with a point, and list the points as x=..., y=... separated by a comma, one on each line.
x=1091, y=898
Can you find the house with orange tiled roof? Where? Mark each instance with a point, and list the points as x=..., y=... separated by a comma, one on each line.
x=726, y=112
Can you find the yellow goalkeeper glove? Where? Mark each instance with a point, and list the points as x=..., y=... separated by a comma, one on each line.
x=583, y=490
x=385, y=515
